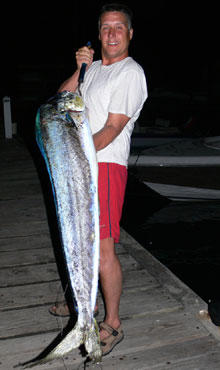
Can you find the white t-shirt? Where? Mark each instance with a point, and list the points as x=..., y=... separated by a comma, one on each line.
x=117, y=88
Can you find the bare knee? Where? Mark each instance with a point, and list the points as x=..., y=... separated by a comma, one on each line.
x=107, y=253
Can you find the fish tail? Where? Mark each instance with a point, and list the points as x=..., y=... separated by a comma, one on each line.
x=92, y=343
x=71, y=341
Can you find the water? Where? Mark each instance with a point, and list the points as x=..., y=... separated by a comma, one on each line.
x=184, y=236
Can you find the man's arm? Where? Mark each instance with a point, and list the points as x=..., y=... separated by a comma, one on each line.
x=112, y=128
x=83, y=55
x=71, y=84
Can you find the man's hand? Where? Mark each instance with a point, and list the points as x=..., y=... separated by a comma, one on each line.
x=84, y=55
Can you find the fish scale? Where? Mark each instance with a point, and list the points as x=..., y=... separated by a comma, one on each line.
x=65, y=140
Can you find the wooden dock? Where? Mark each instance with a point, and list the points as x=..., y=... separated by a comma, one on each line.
x=160, y=314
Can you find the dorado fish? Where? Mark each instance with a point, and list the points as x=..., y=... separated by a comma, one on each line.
x=65, y=140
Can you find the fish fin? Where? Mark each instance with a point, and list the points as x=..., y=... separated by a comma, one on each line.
x=71, y=341
x=92, y=343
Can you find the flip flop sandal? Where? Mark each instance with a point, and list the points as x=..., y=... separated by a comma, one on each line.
x=114, y=338
x=62, y=310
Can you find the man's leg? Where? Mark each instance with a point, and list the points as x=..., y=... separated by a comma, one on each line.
x=111, y=283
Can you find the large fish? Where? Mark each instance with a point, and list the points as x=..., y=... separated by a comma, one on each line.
x=65, y=140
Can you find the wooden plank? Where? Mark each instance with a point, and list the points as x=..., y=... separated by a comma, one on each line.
x=164, y=276
x=128, y=263
x=15, y=244
x=159, y=313
x=14, y=180
x=17, y=350
x=156, y=330
x=176, y=288
x=27, y=257
x=146, y=336
x=119, y=248
x=20, y=190
x=197, y=363
x=22, y=175
x=13, y=169
x=25, y=322
x=16, y=267
x=31, y=274
x=18, y=210
x=17, y=275
x=47, y=292
x=138, y=279
x=197, y=354
x=46, y=255
x=27, y=228
x=152, y=342
x=150, y=300
x=29, y=295
x=15, y=161
x=17, y=322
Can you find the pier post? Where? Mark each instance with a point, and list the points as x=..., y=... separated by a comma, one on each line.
x=10, y=128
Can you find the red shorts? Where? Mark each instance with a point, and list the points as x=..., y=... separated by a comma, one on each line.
x=112, y=181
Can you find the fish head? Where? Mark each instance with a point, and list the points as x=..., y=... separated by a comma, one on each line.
x=65, y=105
x=70, y=102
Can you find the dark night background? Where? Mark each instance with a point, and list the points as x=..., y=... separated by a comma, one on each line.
x=175, y=42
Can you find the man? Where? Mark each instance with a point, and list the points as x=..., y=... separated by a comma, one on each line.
x=114, y=91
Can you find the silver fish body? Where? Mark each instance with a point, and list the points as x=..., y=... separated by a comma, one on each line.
x=65, y=140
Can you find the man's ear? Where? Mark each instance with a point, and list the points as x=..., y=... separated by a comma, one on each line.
x=131, y=33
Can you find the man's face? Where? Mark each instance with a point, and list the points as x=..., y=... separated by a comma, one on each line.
x=114, y=36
